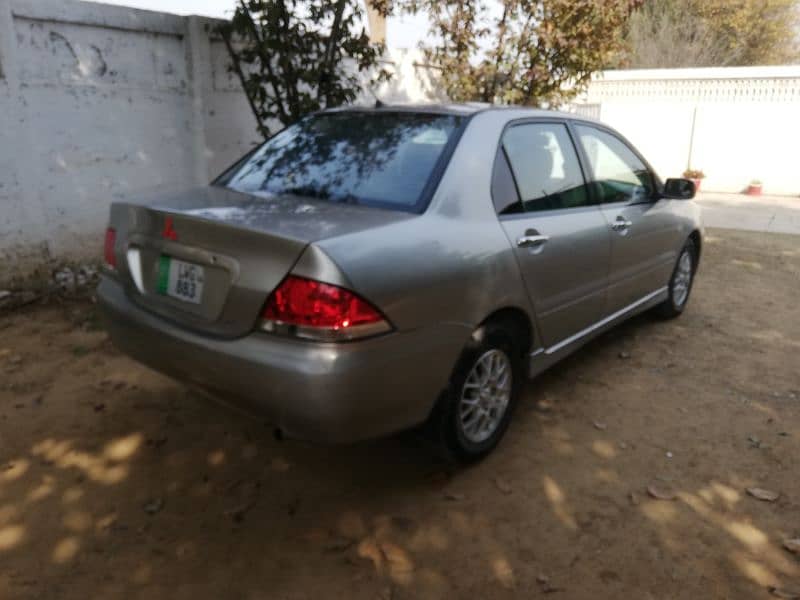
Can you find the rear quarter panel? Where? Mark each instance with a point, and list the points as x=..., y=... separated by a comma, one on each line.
x=431, y=270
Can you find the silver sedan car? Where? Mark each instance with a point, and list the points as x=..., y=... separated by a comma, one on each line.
x=369, y=270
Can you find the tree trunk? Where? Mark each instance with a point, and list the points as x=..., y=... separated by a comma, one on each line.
x=266, y=63
x=489, y=93
x=237, y=67
x=330, y=49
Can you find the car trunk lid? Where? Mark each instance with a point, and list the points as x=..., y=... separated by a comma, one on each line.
x=209, y=257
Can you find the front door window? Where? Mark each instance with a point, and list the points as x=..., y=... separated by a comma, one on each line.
x=619, y=174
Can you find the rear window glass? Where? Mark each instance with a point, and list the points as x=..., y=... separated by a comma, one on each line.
x=378, y=159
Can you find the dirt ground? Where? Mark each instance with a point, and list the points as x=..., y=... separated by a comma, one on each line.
x=116, y=482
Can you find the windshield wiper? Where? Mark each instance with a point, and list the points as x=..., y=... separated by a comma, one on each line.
x=346, y=199
x=306, y=190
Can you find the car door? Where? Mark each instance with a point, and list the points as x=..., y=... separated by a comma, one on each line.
x=643, y=230
x=561, y=240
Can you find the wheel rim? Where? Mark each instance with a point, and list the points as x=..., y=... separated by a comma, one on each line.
x=682, y=279
x=485, y=396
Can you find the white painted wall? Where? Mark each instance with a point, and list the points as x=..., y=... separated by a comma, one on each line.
x=100, y=101
x=735, y=124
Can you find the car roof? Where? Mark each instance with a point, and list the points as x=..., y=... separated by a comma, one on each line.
x=469, y=108
x=459, y=109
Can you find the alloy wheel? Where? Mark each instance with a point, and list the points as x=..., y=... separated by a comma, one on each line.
x=683, y=279
x=485, y=396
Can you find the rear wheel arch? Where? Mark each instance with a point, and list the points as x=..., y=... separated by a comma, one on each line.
x=507, y=330
x=516, y=323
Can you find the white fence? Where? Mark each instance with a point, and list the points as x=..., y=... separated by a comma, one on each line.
x=735, y=124
x=97, y=102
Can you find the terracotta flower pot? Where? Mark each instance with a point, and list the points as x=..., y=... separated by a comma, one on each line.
x=754, y=189
x=697, y=184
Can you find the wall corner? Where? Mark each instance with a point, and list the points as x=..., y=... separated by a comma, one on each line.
x=198, y=68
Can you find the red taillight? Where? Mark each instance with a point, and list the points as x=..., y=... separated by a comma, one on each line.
x=108, y=249
x=319, y=310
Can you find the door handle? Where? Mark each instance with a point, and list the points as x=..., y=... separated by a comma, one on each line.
x=621, y=224
x=532, y=241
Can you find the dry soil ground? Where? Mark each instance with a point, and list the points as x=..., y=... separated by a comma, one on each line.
x=117, y=482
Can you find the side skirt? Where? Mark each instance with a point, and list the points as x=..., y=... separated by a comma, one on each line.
x=544, y=358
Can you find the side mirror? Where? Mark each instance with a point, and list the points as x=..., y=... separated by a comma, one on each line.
x=679, y=189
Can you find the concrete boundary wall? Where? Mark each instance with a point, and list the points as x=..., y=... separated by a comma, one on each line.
x=735, y=124
x=100, y=102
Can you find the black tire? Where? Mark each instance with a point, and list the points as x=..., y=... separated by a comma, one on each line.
x=446, y=424
x=674, y=306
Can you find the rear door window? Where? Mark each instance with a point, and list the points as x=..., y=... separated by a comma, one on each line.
x=386, y=159
x=545, y=167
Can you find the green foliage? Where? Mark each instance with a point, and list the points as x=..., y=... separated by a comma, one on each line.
x=704, y=33
x=539, y=53
x=294, y=57
x=756, y=31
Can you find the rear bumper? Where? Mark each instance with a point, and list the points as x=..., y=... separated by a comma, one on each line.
x=321, y=392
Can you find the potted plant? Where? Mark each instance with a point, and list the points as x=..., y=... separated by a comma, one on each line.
x=754, y=189
x=696, y=175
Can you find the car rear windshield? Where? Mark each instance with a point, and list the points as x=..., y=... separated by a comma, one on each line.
x=384, y=159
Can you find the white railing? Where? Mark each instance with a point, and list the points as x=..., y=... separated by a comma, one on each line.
x=736, y=124
x=737, y=84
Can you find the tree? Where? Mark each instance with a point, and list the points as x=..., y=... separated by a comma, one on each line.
x=704, y=33
x=295, y=57
x=663, y=35
x=757, y=31
x=532, y=52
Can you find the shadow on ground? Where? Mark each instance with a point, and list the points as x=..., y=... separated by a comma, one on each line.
x=117, y=482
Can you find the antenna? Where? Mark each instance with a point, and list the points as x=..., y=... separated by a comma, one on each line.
x=378, y=102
